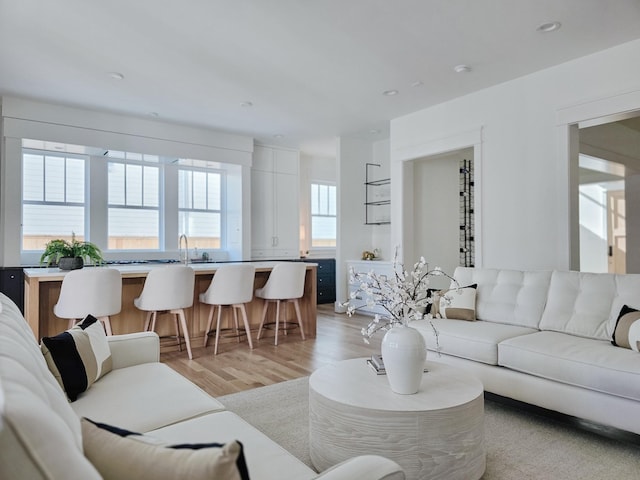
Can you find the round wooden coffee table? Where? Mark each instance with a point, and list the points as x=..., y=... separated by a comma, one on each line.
x=437, y=433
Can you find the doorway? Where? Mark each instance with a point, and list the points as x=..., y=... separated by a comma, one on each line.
x=443, y=209
x=602, y=216
x=609, y=166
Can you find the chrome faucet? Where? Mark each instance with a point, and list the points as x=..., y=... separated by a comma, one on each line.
x=186, y=248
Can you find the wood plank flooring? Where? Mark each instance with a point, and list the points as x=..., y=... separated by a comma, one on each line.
x=237, y=368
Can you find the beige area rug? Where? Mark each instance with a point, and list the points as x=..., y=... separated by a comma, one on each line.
x=520, y=445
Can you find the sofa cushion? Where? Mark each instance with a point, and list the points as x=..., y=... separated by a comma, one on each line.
x=511, y=297
x=144, y=397
x=580, y=304
x=578, y=361
x=119, y=454
x=35, y=413
x=476, y=341
x=265, y=458
x=627, y=328
x=79, y=356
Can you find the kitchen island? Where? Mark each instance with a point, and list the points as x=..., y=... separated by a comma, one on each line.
x=42, y=288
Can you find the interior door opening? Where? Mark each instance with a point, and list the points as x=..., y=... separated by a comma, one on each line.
x=602, y=216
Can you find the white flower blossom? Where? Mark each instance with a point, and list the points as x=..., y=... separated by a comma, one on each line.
x=404, y=297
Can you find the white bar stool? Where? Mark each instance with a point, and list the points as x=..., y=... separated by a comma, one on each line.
x=90, y=290
x=285, y=284
x=168, y=289
x=231, y=286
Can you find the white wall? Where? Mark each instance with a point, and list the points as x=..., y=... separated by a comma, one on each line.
x=353, y=235
x=525, y=172
x=380, y=234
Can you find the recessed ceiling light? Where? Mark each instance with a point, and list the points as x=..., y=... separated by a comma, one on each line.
x=462, y=69
x=417, y=83
x=548, y=27
x=116, y=75
x=373, y=131
x=390, y=93
x=278, y=135
x=246, y=104
x=154, y=114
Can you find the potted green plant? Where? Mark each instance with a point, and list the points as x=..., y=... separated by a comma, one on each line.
x=70, y=255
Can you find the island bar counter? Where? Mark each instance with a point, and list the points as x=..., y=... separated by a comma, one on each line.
x=42, y=288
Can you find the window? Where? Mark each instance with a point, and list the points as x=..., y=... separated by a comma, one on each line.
x=200, y=207
x=323, y=215
x=53, y=197
x=134, y=202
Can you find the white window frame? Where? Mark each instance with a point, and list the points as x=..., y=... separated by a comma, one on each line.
x=222, y=204
x=45, y=202
x=322, y=215
x=125, y=160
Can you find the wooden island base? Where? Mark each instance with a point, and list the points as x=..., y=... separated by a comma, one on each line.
x=42, y=288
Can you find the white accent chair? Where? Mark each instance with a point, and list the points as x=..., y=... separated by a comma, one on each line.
x=231, y=286
x=168, y=289
x=285, y=284
x=93, y=291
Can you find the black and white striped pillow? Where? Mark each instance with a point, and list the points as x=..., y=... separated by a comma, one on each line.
x=78, y=357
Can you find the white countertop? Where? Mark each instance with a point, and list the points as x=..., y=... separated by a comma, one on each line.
x=141, y=269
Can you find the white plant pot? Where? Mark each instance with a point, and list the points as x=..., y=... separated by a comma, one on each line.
x=404, y=353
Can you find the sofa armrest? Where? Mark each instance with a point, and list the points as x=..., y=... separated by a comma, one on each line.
x=134, y=349
x=364, y=467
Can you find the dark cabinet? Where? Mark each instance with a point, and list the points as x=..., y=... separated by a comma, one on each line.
x=12, y=285
x=325, y=279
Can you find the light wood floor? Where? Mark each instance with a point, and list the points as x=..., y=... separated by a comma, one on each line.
x=237, y=368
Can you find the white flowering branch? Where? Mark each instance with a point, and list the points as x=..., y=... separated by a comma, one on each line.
x=404, y=297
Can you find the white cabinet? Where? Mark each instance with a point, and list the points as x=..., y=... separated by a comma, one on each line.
x=275, y=209
x=366, y=266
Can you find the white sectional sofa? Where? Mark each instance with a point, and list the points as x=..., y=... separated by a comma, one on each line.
x=40, y=430
x=544, y=338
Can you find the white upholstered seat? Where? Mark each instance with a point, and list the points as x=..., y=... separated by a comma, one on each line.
x=168, y=289
x=231, y=286
x=93, y=291
x=285, y=284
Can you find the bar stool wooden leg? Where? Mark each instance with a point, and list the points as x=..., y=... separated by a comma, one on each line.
x=147, y=322
x=175, y=321
x=185, y=330
x=264, y=316
x=296, y=305
x=154, y=316
x=243, y=309
x=107, y=325
x=209, y=323
x=277, y=319
x=215, y=350
x=235, y=321
x=284, y=321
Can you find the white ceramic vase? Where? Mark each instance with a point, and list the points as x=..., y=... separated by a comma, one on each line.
x=404, y=353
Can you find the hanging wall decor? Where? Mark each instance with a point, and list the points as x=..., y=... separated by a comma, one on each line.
x=467, y=230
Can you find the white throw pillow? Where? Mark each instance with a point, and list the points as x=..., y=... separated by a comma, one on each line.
x=118, y=454
x=458, y=303
x=627, y=330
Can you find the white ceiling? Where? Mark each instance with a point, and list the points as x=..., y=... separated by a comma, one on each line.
x=313, y=69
